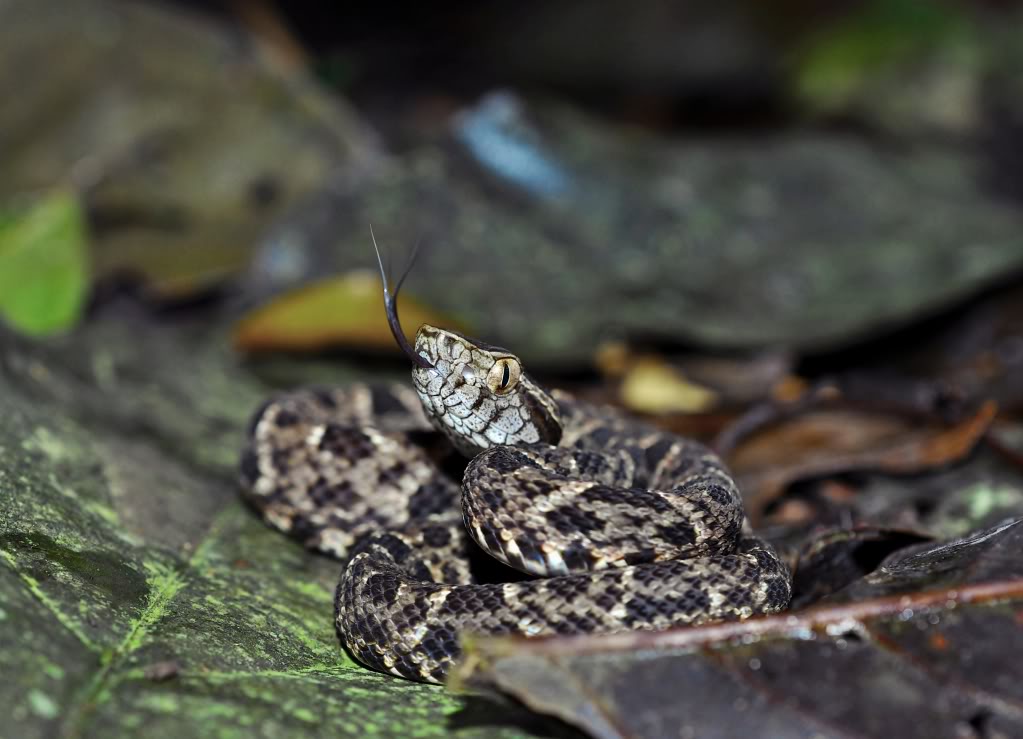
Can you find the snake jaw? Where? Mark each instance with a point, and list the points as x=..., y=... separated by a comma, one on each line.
x=459, y=396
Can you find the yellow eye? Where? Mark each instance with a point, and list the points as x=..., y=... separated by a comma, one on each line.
x=503, y=376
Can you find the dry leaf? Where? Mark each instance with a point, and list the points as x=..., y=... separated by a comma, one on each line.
x=903, y=659
x=823, y=442
x=343, y=311
x=653, y=386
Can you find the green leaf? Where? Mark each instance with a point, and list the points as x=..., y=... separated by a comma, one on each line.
x=883, y=34
x=43, y=265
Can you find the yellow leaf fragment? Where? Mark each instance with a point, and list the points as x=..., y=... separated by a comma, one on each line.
x=343, y=311
x=653, y=386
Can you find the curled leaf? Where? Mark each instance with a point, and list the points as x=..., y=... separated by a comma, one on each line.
x=830, y=441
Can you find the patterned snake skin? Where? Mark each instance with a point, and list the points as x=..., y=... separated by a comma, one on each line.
x=594, y=522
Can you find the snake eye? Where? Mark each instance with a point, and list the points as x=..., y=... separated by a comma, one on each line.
x=503, y=376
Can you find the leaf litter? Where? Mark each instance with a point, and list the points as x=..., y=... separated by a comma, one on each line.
x=892, y=631
x=922, y=639
x=217, y=625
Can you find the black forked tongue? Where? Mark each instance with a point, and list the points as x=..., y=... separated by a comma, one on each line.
x=391, y=305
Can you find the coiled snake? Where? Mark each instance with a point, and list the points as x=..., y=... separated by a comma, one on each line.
x=597, y=523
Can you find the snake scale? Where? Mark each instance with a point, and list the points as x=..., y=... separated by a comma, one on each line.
x=478, y=502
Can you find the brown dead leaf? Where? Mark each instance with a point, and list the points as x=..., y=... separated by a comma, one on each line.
x=343, y=311
x=923, y=646
x=827, y=441
x=834, y=559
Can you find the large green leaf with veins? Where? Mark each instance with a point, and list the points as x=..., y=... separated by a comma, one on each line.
x=136, y=592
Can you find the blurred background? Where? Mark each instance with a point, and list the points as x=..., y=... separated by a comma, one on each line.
x=698, y=210
x=793, y=230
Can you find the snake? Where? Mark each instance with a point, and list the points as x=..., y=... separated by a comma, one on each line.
x=478, y=502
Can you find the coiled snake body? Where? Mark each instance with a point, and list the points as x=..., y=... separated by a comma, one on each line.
x=603, y=523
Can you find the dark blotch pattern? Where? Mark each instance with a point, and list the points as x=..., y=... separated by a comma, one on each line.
x=566, y=519
x=679, y=534
x=346, y=442
x=504, y=460
x=370, y=490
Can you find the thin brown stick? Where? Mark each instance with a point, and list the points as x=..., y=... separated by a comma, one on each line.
x=813, y=620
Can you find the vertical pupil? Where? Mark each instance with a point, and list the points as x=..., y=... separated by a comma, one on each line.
x=505, y=376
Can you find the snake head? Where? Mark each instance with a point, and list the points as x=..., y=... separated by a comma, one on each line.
x=478, y=395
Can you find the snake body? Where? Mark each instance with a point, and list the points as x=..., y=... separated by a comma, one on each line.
x=593, y=522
